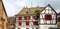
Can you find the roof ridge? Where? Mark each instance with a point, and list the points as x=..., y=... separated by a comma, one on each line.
x=24, y=10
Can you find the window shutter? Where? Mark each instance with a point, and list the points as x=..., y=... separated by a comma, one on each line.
x=34, y=17
x=27, y=23
x=27, y=17
x=20, y=23
x=34, y=23
x=45, y=17
x=50, y=17
x=19, y=18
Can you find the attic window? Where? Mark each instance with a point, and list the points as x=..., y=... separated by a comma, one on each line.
x=36, y=11
x=26, y=12
x=48, y=17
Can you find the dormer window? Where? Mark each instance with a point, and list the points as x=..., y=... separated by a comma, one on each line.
x=37, y=11
x=27, y=12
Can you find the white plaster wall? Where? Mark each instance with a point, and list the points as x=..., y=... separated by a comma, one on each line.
x=20, y=28
x=24, y=28
x=46, y=26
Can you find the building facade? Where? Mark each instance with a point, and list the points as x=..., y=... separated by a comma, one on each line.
x=36, y=18
x=11, y=23
x=48, y=18
x=58, y=20
x=3, y=16
x=27, y=21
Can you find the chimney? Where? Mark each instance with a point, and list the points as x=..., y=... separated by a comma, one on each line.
x=26, y=7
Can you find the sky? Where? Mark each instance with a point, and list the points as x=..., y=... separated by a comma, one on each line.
x=13, y=7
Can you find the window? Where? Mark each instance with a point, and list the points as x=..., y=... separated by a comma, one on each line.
x=27, y=23
x=18, y=28
x=32, y=28
x=27, y=28
x=20, y=23
x=48, y=17
x=34, y=17
x=35, y=23
x=27, y=17
x=19, y=18
x=36, y=28
x=8, y=21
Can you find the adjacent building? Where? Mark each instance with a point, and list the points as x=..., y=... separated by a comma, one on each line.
x=11, y=23
x=58, y=20
x=3, y=16
x=36, y=18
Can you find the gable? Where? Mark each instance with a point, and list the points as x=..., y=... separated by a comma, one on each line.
x=2, y=11
x=49, y=14
x=49, y=9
